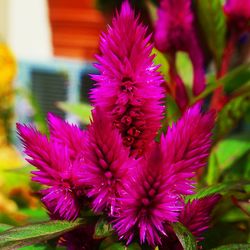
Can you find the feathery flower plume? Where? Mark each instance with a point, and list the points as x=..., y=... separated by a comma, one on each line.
x=196, y=217
x=106, y=163
x=175, y=31
x=55, y=166
x=186, y=146
x=152, y=196
x=149, y=202
x=238, y=14
x=67, y=134
x=128, y=87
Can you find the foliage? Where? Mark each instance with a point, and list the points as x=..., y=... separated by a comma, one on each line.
x=15, y=238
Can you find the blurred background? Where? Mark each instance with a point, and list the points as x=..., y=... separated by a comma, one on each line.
x=46, y=53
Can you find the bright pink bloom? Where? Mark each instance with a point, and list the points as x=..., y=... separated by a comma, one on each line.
x=149, y=202
x=106, y=163
x=196, y=215
x=153, y=195
x=238, y=14
x=67, y=134
x=55, y=165
x=175, y=31
x=128, y=87
x=186, y=146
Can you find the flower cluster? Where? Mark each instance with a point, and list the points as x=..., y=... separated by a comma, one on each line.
x=129, y=86
x=175, y=31
x=56, y=160
x=153, y=196
x=116, y=164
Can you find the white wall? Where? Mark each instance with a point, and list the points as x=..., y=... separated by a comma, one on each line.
x=28, y=32
x=3, y=19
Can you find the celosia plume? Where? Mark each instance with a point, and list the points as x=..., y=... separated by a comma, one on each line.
x=67, y=134
x=174, y=26
x=55, y=165
x=149, y=201
x=106, y=163
x=137, y=183
x=186, y=146
x=153, y=194
x=175, y=31
x=196, y=217
x=128, y=88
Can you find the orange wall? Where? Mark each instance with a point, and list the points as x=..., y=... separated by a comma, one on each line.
x=75, y=26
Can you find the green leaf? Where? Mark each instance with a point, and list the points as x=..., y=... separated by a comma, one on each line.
x=213, y=24
x=173, y=111
x=213, y=170
x=42, y=247
x=4, y=227
x=240, y=170
x=185, y=69
x=224, y=233
x=80, y=110
x=225, y=154
x=236, y=78
x=221, y=188
x=17, y=237
x=35, y=215
x=230, y=81
x=152, y=10
x=133, y=246
x=207, y=191
x=233, y=214
x=233, y=247
x=160, y=59
x=231, y=114
x=115, y=246
x=185, y=237
x=172, y=115
x=35, y=247
x=102, y=229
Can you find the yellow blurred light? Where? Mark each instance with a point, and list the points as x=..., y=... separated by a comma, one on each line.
x=8, y=69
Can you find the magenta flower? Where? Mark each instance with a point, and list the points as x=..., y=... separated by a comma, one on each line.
x=55, y=166
x=196, y=215
x=106, y=163
x=153, y=194
x=238, y=14
x=186, y=146
x=149, y=202
x=175, y=31
x=129, y=85
x=67, y=134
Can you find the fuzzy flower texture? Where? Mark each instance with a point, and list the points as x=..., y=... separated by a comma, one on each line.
x=115, y=165
x=175, y=31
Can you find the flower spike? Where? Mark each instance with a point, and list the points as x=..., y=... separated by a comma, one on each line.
x=106, y=163
x=54, y=170
x=129, y=86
